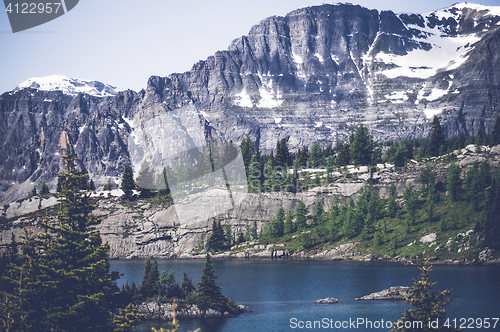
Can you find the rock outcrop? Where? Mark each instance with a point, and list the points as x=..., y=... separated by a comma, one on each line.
x=328, y=300
x=393, y=293
x=311, y=76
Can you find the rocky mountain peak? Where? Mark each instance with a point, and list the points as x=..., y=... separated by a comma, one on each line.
x=69, y=86
x=312, y=75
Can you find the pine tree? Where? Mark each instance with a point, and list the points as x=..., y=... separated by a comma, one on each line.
x=410, y=196
x=303, y=157
x=453, y=182
x=277, y=224
x=316, y=156
x=392, y=207
x=317, y=215
x=45, y=189
x=300, y=216
x=150, y=280
x=63, y=278
x=282, y=153
x=187, y=285
x=217, y=238
x=344, y=157
x=289, y=226
x=429, y=306
x=437, y=137
x=247, y=147
x=91, y=185
x=208, y=294
x=127, y=182
x=362, y=146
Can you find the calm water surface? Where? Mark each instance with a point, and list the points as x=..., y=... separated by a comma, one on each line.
x=278, y=291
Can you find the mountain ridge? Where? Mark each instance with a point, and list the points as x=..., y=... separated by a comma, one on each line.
x=311, y=76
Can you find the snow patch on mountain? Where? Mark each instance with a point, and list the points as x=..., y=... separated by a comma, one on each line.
x=69, y=86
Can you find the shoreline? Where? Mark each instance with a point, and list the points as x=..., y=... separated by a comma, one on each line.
x=358, y=259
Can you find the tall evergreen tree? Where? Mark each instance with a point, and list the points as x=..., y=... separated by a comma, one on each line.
x=247, y=147
x=282, y=154
x=217, y=238
x=392, y=207
x=276, y=226
x=128, y=183
x=45, y=189
x=437, y=137
x=300, y=216
x=316, y=156
x=208, y=294
x=63, y=278
x=150, y=280
x=362, y=146
x=429, y=306
x=344, y=157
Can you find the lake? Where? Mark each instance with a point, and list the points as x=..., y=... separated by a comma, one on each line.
x=281, y=293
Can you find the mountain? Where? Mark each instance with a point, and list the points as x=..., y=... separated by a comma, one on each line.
x=312, y=75
x=69, y=86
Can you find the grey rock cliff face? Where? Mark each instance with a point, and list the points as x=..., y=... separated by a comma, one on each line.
x=312, y=75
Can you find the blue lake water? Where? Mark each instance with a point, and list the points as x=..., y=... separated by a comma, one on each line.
x=281, y=293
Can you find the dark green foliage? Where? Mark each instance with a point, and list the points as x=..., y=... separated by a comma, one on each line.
x=127, y=182
x=228, y=234
x=302, y=157
x=344, y=157
x=429, y=306
x=316, y=156
x=492, y=220
x=277, y=224
x=45, y=189
x=62, y=278
x=289, y=226
x=300, y=216
x=453, y=182
x=282, y=153
x=392, y=207
x=475, y=182
x=410, y=196
x=187, y=285
x=91, y=185
x=216, y=241
x=362, y=146
x=437, y=137
x=208, y=294
x=150, y=280
x=318, y=215
x=167, y=285
x=495, y=133
x=427, y=178
x=247, y=147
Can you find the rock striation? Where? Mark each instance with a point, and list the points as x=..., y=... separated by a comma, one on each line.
x=312, y=75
